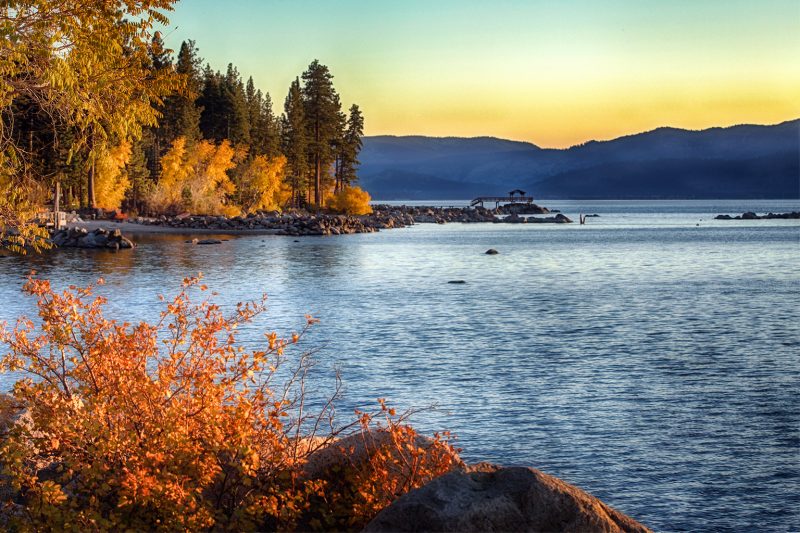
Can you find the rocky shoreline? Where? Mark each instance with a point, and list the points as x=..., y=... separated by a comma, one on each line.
x=749, y=215
x=98, y=238
x=300, y=223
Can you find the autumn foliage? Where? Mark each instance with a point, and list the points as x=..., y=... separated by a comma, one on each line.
x=176, y=426
x=111, y=180
x=261, y=184
x=351, y=201
x=195, y=178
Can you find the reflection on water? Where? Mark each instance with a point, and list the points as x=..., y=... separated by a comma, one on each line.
x=645, y=358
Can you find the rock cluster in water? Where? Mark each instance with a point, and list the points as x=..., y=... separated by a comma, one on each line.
x=522, y=209
x=99, y=238
x=297, y=223
x=292, y=223
x=749, y=215
x=516, y=219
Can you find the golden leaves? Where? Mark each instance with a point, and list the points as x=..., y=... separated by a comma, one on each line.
x=195, y=178
x=351, y=201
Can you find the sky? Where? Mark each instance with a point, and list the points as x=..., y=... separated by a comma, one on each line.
x=554, y=73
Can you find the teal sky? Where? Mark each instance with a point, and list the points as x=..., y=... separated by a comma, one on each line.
x=553, y=73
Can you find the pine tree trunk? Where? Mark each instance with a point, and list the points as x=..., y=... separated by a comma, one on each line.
x=90, y=186
x=317, y=181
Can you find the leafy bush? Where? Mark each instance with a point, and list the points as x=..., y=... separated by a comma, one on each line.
x=174, y=425
x=351, y=201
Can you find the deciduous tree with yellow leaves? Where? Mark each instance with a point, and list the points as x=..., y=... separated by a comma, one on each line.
x=85, y=66
x=111, y=180
x=260, y=181
x=195, y=178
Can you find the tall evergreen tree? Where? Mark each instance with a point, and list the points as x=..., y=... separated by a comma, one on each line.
x=264, y=127
x=295, y=141
x=214, y=114
x=269, y=129
x=160, y=56
x=238, y=126
x=139, y=178
x=350, y=148
x=163, y=133
x=322, y=110
x=186, y=111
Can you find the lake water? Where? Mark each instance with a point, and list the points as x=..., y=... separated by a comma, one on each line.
x=651, y=357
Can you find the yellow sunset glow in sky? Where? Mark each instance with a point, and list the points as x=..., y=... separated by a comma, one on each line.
x=552, y=73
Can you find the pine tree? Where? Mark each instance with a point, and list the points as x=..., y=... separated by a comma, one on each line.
x=351, y=147
x=162, y=134
x=264, y=134
x=295, y=141
x=186, y=112
x=214, y=114
x=268, y=129
x=139, y=177
x=322, y=110
x=160, y=57
x=238, y=130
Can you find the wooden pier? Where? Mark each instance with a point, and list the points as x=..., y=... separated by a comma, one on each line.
x=515, y=196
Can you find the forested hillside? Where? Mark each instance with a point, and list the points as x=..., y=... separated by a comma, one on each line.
x=740, y=162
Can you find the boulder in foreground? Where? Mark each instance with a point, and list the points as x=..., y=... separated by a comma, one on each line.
x=492, y=498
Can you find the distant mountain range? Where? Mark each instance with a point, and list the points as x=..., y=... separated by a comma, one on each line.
x=737, y=162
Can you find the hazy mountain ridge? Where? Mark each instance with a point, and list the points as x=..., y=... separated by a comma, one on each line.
x=661, y=163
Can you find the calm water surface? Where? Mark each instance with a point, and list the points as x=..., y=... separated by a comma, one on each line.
x=650, y=360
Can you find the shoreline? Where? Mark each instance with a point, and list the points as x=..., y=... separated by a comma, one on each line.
x=132, y=228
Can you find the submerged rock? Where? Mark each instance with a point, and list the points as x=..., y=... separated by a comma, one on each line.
x=488, y=497
x=457, y=282
x=491, y=251
x=749, y=215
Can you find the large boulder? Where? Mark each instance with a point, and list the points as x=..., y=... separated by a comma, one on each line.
x=356, y=449
x=492, y=498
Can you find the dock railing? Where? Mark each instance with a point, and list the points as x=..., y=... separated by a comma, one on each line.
x=501, y=200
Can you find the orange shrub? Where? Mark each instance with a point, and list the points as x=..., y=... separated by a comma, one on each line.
x=173, y=426
x=351, y=201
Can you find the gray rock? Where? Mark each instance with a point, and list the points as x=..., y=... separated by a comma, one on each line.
x=357, y=449
x=492, y=498
x=491, y=251
x=88, y=241
x=209, y=241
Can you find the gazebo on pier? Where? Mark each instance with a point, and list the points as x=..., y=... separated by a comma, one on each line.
x=515, y=196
